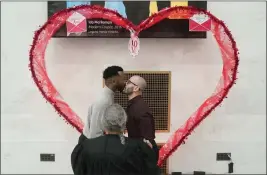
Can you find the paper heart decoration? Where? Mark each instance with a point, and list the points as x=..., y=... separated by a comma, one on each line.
x=221, y=33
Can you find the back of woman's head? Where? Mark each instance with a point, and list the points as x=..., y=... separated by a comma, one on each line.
x=114, y=119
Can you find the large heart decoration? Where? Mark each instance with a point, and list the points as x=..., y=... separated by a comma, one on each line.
x=219, y=30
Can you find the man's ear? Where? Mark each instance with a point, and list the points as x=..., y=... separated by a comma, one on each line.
x=136, y=89
x=113, y=80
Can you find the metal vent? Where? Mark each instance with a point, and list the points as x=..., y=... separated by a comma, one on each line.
x=47, y=157
x=223, y=157
x=157, y=95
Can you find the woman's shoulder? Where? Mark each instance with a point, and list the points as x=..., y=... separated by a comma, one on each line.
x=100, y=143
x=94, y=143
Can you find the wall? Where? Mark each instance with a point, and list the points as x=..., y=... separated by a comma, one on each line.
x=29, y=126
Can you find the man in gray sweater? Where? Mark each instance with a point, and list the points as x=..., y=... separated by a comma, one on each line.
x=114, y=80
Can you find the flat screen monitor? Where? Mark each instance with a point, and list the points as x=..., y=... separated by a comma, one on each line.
x=135, y=11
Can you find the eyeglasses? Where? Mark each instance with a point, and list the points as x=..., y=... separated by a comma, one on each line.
x=129, y=81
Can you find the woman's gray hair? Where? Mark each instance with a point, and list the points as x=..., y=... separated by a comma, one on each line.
x=114, y=119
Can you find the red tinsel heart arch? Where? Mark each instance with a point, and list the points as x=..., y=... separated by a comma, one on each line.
x=221, y=33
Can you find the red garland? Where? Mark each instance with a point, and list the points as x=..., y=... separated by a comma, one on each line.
x=221, y=33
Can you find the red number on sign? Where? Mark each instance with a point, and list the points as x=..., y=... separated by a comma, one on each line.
x=134, y=45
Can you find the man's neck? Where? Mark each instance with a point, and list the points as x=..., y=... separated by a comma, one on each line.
x=133, y=96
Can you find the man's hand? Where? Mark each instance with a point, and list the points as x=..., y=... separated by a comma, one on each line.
x=148, y=143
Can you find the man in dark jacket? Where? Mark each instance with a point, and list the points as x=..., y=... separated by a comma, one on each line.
x=140, y=124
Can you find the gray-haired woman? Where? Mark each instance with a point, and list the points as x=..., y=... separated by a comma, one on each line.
x=114, y=154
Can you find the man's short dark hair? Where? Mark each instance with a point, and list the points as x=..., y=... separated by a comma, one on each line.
x=112, y=71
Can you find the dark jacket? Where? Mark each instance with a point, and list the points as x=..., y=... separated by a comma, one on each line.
x=106, y=155
x=140, y=123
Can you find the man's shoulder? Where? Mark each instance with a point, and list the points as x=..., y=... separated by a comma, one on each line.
x=101, y=104
x=102, y=101
x=141, y=105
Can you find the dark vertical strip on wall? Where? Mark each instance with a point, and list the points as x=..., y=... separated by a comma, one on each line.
x=198, y=4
